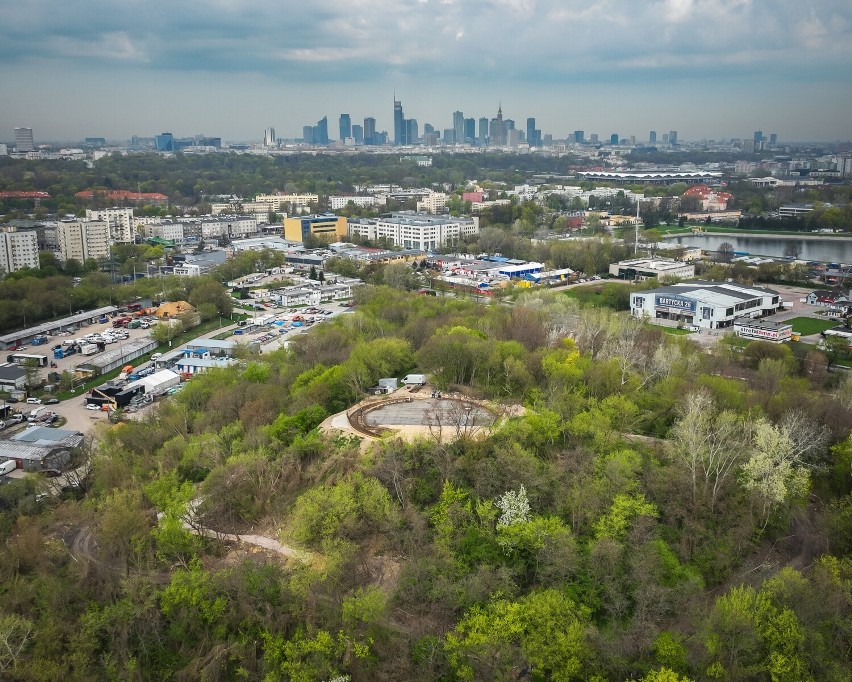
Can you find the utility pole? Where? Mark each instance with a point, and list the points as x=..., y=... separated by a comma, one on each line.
x=636, y=231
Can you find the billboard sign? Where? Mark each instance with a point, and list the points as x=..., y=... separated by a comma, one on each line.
x=678, y=303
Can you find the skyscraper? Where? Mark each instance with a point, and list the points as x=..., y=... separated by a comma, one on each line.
x=358, y=134
x=579, y=137
x=165, y=142
x=398, y=122
x=321, y=131
x=483, y=131
x=497, y=129
x=773, y=139
x=613, y=139
x=345, y=127
x=652, y=137
x=308, y=134
x=370, y=130
x=24, y=140
x=412, y=133
x=269, y=137
x=470, y=130
x=531, y=141
x=673, y=137
x=458, y=127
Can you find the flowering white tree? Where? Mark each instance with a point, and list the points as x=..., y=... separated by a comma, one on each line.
x=774, y=470
x=515, y=507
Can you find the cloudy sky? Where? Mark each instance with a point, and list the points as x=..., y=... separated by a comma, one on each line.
x=707, y=68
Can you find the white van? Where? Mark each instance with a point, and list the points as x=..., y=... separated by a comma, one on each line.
x=36, y=413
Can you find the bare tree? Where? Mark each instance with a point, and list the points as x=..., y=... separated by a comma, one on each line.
x=725, y=254
x=15, y=633
x=708, y=443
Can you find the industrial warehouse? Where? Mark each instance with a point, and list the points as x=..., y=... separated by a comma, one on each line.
x=710, y=305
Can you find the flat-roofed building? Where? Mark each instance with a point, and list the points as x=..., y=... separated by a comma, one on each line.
x=647, y=268
x=279, y=203
x=18, y=250
x=83, y=239
x=325, y=226
x=712, y=305
x=763, y=330
x=422, y=231
x=120, y=221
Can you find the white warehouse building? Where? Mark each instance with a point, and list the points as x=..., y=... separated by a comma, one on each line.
x=711, y=305
x=409, y=230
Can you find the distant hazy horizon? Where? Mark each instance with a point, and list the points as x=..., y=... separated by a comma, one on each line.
x=710, y=69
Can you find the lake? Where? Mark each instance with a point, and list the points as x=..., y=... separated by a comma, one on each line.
x=826, y=249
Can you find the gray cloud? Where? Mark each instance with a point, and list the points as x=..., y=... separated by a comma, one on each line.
x=554, y=39
x=492, y=45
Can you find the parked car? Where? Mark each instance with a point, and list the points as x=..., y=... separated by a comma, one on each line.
x=33, y=401
x=51, y=473
x=92, y=406
x=16, y=418
x=51, y=401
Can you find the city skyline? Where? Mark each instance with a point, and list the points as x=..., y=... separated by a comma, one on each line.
x=713, y=68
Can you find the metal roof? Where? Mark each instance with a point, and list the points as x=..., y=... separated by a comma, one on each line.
x=47, y=327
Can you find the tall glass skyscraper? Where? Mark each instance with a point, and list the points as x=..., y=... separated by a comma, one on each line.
x=370, y=130
x=345, y=127
x=399, y=131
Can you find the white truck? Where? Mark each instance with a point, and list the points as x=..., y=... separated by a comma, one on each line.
x=7, y=467
x=89, y=349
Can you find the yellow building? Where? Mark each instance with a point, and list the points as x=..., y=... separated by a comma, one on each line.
x=327, y=226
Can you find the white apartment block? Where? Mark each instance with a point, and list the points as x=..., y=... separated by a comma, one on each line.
x=257, y=209
x=18, y=250
x=335, y=203
x=172, y=231
x=435, y=202
x=232, y=227
x=83, y=239
x=421, y=231
x=120, y=220
x=276, y=202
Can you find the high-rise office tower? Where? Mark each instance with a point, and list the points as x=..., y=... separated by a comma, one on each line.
x=412, y=134
x=358, y=134
x=652, y=137
x=164, y=142
x=593, y=138
x=458, y=127
x=449, y=136
x=613, y=139
x=321, y=131
x=269, y=137
x=398, y=122
x=370, y=130
x=483, y=131
x=673, y=137
x=773, y=139
x=24, y=140
x=308, y=134
x=579, y=137
x=345, y=127
x=531, y=132
x=428, y=128
x=470, y=130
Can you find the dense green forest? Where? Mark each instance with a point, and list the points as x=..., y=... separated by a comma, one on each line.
x=653, y=512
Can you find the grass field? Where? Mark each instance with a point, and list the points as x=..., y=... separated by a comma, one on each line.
x=606, y=294
x=810, y=325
